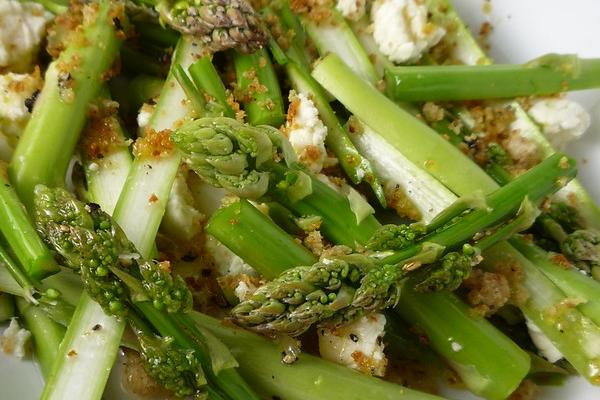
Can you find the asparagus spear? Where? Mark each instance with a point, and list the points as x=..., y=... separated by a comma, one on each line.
x=106, y=162
x=258, y=88
x=46, y=332
x=71, y=83
x=548, y=74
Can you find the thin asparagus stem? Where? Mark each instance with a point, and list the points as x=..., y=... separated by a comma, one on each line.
x=258, y=88
x=207, y=79
x=47, y=334
x=335, y=36
x=19, y=232
x=23, y=280
x=253, y=228
x=548, y=74
x=570, y=280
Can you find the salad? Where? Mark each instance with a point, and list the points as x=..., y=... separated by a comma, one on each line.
x=290, y=200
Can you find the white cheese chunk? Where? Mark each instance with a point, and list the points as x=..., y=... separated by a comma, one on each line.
x=14, y=340
x=352, y=9
x=402, y=31
x=22, y=28
x=226, y=261
x=562, y=120
x=15, y=89
x=306, y=132
x=358, y=345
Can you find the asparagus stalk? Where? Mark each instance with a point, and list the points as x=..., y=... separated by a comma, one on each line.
x=258, y=88
x=92, y=335
x=224, y=226
x=419, y=143
x=20, y=234
x=150, y=179
x=339, y=289
x=310, y=378
x=573, y=333
x=334, y=35
x=471, y=348
x=47, y=334
x=207, y=79
x=548, y=74
x=71, y=83
x=568, y=279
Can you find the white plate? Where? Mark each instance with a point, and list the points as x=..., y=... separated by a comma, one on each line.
x=523, y=29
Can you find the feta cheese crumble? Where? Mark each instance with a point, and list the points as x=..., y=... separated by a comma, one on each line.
x=14, y=339
x=352, y=9
x=16, y=99
x=562, y=120
x=541, y=341
x=358, y=345
x=22, y=27
x=402, y=31
x=306, y=132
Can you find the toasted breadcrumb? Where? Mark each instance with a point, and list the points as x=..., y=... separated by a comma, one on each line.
x=488, y=291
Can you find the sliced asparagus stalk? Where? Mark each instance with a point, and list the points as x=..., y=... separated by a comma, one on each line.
x=546, y=75
x=258, y=88
x=91, y=334
x=71, y=84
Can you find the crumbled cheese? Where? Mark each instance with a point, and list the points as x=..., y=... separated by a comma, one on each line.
x=541, y=341
x=562, y=120
x=144, y=115
x=14, y=339
x=352, y=9
x=22, y=28
x=306, y=132
x=15, y=89
x=226, y=262
x=358, y=345
x=244, y=289
x=401, y=29
x=456, y=347
x=182, y=220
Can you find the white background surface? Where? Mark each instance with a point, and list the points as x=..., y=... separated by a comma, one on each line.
x=523, y=29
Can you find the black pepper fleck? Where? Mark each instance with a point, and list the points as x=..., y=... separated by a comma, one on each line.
x=30, y=101
x=354, y=338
